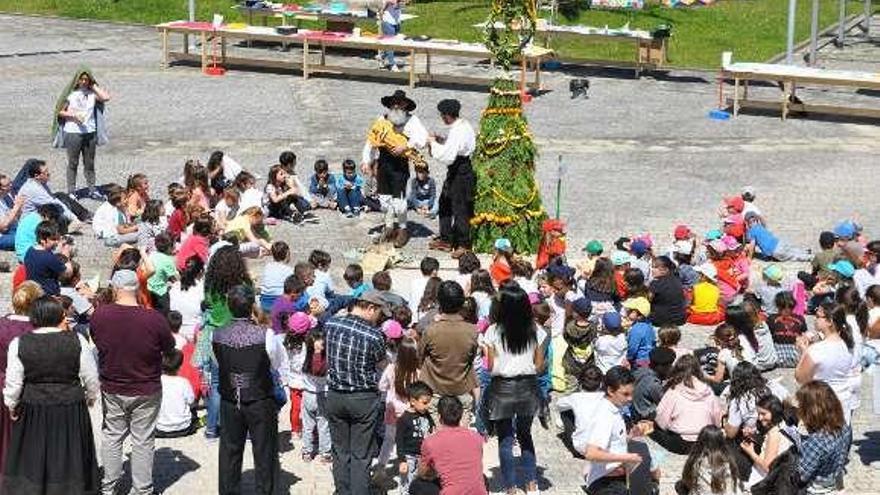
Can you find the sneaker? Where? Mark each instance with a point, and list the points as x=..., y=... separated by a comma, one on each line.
x=394, y=68
x=211, y=437
x=348, y=212
x=95, y=194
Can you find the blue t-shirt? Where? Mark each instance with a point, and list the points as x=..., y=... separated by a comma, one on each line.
x=765, y=239
x=26, y=234
x=640, y=341
x=44, y=267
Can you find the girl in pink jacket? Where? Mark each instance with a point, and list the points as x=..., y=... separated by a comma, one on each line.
x=687, y=406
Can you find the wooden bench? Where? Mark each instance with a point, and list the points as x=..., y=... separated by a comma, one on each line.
x=791, y=77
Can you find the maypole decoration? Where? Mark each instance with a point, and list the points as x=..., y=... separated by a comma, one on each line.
x=508, y=201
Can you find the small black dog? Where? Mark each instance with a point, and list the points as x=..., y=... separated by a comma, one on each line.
x=579, y=87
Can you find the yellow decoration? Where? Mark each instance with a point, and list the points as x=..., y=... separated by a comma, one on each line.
x=382, y=134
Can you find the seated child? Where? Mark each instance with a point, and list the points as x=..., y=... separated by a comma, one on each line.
x=500, y=269
x=251, y=232
x=348, y=190
x=641, y=339
x=648, y=386
x=786, y=327
x=249, y=195
x=283, y=198
x=585, y=267
x=354, y=277
x=669, y=337
x=611, y=346
x=322, y=187
x=413, y=426
x=580, y=335
x=227, y=207
x=274, y=274
x=454, y=454
x=150, y=225
x=768, y=244
x=371, y=190
x=110, y=221
x=772, y=284
x=577, y=410
x=164, y=273
x=706, y=307
x=177, y=418
x=422, y=195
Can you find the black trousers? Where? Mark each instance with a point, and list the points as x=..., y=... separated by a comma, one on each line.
x=456, y=206
x=353, y=419
x=260, y=419
x=672, y=441
x=609, y=485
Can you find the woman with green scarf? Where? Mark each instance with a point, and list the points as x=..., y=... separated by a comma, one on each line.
x=226, y=269
x=79, y=127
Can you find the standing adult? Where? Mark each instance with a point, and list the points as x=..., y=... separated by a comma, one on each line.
x=393, y=161
x=131, y=341
x=824, y=450
x=457, y=196
x=80, y=127
x=355, y=346
x=11, y=326
x=515, y=346
x=247, y=354
x=830, y=359
x=51, y=380
x=607, y=442
x=448, y=348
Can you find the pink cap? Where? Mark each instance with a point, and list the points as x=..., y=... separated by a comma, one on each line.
x=299, y=323
x=393, y=330
x=730, y=242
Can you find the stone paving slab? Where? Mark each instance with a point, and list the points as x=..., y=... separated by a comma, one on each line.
x=641, y=155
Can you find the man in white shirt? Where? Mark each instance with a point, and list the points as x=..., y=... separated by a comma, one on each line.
x=392, y=171
x=457, y=197
x=606, y=449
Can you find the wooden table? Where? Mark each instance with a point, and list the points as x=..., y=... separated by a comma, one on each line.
x=650, y=52
x=336, y=21
x=319, y=41
x=790, y=77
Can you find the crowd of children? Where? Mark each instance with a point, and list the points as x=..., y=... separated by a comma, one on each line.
x=585, y=345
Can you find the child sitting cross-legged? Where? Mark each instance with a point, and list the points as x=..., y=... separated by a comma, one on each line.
x=348, y=190
x=641, y=339
x=177, y=417
x=422, y=196
x=322, y=187
x=611, y=346
x=706, y=307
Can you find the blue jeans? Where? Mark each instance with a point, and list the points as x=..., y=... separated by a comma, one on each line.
x=349, y=198
x=389, y=30
x=504, y=428
x=7, y=239
x=415, y=204
x=212, y=419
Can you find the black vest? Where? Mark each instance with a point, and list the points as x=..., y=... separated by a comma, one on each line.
x=51, y=368
x=245, y=369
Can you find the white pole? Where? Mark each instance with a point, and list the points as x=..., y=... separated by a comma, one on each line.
x=192, y=10
x=814, y=33
x=840, y=33
x=789, y=41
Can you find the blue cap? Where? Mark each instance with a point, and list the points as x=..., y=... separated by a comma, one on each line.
x=843, y=267
x=611, y=319
x=845, y=229
x=582, y=307
x=564, y=272
x=503, y=244
x=638, y=247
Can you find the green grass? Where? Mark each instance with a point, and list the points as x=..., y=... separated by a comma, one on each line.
x=753, y=29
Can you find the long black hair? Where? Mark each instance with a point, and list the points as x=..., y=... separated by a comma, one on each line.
x=872, y=294
x=743, y=322
x=667, y=264
x=193, y=270
x=711, y=451
x=746, y=380
x=512, y=313
x=226, y=269
x=836, y=314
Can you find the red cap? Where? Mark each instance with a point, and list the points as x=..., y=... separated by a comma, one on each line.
x=736, y=202
x=682, y=232
x=552, y=224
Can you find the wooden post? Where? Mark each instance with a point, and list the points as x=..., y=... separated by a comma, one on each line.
x=412, y=67
x=164, y=48
x=223, y=49
x=204, y=52
x=323, y=53
x=306, y=57
x=786, y=93
x=735, y=96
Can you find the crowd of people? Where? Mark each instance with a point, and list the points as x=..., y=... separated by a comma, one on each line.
x=408, y=381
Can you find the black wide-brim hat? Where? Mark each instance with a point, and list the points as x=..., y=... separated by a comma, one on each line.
x=399, y=98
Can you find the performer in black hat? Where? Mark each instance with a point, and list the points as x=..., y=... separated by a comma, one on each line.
x=457, y=197
x=392, y=144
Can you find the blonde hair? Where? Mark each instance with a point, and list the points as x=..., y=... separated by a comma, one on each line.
x=23, y=297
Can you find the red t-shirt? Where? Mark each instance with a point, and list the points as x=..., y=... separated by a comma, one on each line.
x=176, y=224
x=456, y=455
x=194, y=245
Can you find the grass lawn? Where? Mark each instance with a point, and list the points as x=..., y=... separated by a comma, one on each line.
x=753, y=29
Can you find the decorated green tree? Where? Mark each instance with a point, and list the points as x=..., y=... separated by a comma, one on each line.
x=508, y=200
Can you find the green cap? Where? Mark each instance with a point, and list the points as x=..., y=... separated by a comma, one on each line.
x=594, y=247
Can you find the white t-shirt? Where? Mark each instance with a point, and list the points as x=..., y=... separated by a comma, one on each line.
x=81, y=103
x=105, y=220
x=512, y=365
x=189, y=304
x=583, y=405
x=177, y=397
x=296, y=379
x=416, y=291
x=274, y=275
x=832, y=364
x=610, y=351
x=608, y=432
x=557, y=320
x=250, y=197
x=744, y=411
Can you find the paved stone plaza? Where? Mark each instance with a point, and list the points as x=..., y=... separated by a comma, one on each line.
x=640, y=155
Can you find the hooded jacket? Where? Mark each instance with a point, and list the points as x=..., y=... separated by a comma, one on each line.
x=686, y=410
